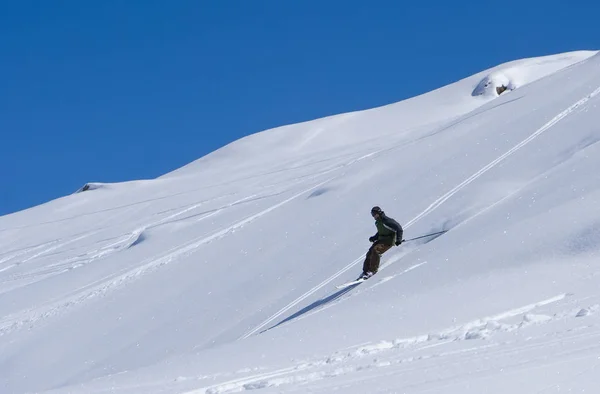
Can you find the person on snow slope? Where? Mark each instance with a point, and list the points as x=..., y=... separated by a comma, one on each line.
x=389, y=233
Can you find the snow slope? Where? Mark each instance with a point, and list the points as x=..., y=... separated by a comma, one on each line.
x=220, y=277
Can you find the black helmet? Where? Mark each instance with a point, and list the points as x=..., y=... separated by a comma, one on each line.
x=376, y=209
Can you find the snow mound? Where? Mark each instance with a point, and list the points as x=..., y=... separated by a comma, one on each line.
x=91, y=186
x=510, y=76
x=494, y=85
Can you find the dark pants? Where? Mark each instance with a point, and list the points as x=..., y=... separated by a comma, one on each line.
x=373, y=256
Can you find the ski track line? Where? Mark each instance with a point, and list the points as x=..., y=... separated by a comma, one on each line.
x=65, y=265
x=436, y=204
x=349, y=295
x=513, y=358
x=238, y=384
x=48, y=250
x=457, y=332
x=299, y=299
x=501, y=158
x=186, y=207
x=166, y=220
x=16, y=253
x=123, y=242
x=8, y=267
x=103, y=286
x=388, y=278
x=364, y=354
x=346, y=296
x=429, y=363
x=306, y=295
x=465, y=329
x=342, y=166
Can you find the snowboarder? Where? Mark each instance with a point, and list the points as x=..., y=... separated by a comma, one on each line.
x=389, y=233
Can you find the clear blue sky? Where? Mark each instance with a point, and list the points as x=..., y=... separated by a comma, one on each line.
x=110, y=91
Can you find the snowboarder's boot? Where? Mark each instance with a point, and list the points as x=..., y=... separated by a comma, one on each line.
x=366, y=275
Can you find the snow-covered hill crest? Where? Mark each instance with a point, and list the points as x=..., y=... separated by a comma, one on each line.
x=406, y=118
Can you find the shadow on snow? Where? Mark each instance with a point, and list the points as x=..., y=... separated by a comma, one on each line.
x=323, y=301
x=314, y=305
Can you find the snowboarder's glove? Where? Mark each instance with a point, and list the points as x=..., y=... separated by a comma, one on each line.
x=399, y=242
x=373, y=238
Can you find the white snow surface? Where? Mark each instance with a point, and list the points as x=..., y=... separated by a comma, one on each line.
x=221, y=276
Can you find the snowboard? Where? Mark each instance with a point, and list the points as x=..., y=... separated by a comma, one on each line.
x=348, y=284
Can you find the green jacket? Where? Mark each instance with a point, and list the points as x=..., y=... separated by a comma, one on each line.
x=388, y=230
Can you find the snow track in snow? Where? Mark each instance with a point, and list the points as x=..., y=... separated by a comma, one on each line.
x=321, y=305
x=16, y=320
x=392, y=353
x=103, y=286
x=433, y=206
x=56, y=245
x=501, y=158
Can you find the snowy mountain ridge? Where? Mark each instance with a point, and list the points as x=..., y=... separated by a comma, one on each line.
x=220, y=276
x=424, y=111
